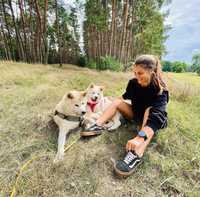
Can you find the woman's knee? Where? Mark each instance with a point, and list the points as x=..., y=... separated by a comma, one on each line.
x=117, y=102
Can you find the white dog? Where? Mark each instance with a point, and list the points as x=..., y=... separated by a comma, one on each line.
x=67, y=116
x=96, y=103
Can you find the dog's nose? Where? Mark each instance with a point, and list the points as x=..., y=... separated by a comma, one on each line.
x=83, y=112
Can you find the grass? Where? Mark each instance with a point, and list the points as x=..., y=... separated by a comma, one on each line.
x=28, y=93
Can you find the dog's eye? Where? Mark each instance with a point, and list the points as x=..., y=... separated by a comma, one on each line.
x=76, y=105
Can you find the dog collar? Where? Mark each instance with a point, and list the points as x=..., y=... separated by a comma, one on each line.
x=68, y=117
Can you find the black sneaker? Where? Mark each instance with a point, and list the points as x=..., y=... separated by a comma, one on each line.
x=93, y=130
x=127, y=166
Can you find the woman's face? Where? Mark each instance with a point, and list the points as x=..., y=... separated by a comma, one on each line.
x=142, y=75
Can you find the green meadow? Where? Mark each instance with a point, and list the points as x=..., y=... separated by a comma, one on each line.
x=28, y=95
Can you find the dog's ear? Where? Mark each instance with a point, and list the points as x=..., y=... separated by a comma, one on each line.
x=102, y=88
x=91, y=85
x=83, y=93
x=70, y=95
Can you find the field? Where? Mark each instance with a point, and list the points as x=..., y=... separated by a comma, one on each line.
x=28, y=94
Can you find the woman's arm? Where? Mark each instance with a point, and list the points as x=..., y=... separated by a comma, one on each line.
x=157, y=118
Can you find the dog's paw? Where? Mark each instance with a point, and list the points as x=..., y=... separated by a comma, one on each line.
x=58, y=158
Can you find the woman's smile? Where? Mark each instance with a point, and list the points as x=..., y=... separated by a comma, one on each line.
x=142, y=75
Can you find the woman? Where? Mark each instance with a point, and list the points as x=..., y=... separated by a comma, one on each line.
x=149, y=96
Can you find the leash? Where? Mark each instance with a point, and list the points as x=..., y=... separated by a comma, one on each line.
x=30, y=161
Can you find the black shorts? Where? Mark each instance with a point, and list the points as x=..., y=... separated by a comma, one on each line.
x=138, y=117
x=157, y=118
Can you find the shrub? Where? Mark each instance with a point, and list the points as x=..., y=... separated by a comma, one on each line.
x=91, y=64
x=179, y=67
x=110, y=63
x=166, y=66
x=196, y=63
x=82, y=61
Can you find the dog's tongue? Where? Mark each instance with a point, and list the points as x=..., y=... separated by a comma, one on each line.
x=92, y=105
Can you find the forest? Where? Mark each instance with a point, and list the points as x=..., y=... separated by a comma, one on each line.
x=99, y=33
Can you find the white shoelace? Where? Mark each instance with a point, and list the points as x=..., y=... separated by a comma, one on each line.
x=93, y=127
x=129, y=157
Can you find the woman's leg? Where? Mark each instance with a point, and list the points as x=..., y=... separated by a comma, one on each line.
x=136, y=145
x=149, y=132
x=117, y=105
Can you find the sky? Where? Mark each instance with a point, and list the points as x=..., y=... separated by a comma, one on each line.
x=184, y=37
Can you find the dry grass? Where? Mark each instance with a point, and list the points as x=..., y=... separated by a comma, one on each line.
x=180, y=89
x=28, y=93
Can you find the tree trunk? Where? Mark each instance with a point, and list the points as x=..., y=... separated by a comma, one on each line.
x=112, y=28
x=32, y=40
x=9, y=33
x=5, y=43
x=123, y=32
x=18, y=37
x=39, y=33
x=26, y=53
x=58, y=34
x=45, y=33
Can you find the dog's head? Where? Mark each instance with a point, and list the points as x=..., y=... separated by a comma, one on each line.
x=75, y=102
x=94, y=93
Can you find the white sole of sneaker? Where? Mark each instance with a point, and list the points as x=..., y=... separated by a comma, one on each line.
x=90, y=133
x=124, y=174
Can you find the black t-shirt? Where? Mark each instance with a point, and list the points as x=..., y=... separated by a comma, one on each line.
x=144, y=97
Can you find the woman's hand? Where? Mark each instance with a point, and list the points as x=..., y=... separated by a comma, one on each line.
x=134, y=143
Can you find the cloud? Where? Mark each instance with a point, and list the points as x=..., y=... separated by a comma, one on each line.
x=184, y=37
x=194, y=51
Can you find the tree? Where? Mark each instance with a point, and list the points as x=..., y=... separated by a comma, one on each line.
x=58, y=33
x=166, y=66
x=33, y=30
x=196, y=63
x=114, y=31
x=123, y=29
x=179, y=67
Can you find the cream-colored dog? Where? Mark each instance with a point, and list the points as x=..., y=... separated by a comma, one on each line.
x=96, y=103
x=67, y=116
